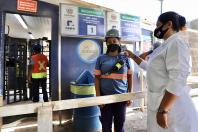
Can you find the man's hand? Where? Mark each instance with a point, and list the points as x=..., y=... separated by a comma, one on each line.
x=162, y=120
x=129, y=102
x=101, y=106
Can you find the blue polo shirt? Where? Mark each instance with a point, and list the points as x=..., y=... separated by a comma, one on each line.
x=114, y=82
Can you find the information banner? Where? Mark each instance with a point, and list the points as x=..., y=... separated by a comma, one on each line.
x=130, y=27
x=80, y=21
x=91, y=22
x=146, y=35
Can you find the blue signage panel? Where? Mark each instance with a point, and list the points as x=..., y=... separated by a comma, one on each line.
x=146, y=35
x=130, y=30
x=130, y=27
x=91, y=25
x=91, y=22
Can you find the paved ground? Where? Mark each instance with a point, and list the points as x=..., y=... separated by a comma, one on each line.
x=135, y=122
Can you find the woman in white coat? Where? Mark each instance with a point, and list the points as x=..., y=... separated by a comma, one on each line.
x=170, y=108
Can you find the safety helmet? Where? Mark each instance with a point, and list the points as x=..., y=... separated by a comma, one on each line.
x=36, y=47
x=112, y=33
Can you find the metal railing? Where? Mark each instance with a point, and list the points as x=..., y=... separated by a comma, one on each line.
x=44, y=110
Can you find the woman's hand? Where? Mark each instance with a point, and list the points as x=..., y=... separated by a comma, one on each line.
x=162, y=120
x=128, y=53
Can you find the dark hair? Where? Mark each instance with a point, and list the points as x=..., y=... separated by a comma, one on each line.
x=170, y=16
x=37, y=50
x=182, y=21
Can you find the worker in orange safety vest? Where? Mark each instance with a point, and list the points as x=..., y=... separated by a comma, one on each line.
x=38, y=73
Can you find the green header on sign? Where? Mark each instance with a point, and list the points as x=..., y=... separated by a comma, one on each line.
x=129, y=17
x=90, y=11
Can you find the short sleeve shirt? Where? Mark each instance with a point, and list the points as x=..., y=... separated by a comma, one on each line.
x=114, y=82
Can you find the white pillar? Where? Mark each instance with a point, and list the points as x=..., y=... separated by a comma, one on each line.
x=44, y=119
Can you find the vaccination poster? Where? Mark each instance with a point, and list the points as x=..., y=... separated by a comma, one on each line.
x=130, y=27
x=80, y=21
x=91, y=22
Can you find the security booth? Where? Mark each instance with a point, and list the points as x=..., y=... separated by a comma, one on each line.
x=21, y=27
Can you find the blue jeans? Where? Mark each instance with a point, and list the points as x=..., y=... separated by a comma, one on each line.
x=116, y=112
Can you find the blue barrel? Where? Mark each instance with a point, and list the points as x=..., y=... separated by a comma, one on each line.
x=85, y=119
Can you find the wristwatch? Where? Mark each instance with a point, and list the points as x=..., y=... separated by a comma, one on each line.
x=162, y=111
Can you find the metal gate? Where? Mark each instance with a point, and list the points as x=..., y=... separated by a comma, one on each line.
x=15, y=63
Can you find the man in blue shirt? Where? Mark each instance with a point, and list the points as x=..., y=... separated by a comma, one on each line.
x=113, y=76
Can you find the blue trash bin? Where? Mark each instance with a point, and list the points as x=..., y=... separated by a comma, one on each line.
x=85, y=119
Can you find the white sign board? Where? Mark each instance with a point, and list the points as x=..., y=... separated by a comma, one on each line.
x=69, y=20
x=113, y=20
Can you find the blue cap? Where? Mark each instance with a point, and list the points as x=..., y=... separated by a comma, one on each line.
x=36, y=47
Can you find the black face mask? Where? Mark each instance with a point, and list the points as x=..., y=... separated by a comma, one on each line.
x=159, y=33
x=113, y=48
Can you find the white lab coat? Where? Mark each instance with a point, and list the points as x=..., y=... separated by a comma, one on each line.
x=167, y=69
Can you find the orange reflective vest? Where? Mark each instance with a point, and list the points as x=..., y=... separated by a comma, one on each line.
x=39, y=67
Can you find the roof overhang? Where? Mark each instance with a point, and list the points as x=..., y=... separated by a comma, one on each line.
x=77, y=3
